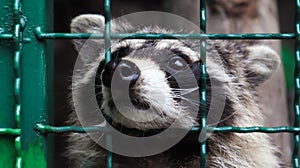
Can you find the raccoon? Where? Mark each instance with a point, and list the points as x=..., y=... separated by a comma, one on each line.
x=149, y=69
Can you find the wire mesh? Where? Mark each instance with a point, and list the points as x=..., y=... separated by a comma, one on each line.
x=297, y=87
x=17, y=38
x=203, y=85
x=44, y=128
x=259, y=36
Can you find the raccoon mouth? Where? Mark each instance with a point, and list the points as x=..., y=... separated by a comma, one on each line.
x=137, y=102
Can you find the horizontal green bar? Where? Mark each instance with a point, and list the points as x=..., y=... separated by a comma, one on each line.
x=44, y=128
x=254, y=129
x=42, y=35
x=6, y=36
x=10, y=131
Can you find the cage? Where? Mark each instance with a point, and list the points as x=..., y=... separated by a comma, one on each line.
x=26, y=62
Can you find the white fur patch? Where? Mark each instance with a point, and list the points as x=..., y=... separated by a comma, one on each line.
x=153, y=87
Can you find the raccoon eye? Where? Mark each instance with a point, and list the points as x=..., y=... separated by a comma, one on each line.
x=177, y=63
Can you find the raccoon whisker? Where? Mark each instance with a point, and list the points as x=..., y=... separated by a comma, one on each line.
x=81, y=86
x=163, y=114
x=109, y=98
x=223, y=119
x=90, y=88
x=98, y=93
x=172, y=75
x=122, y=124
x=95, y=95
x=98, y=76
x=158, y=111
x=185, y=88
x=244, y=75
x=108, y=117
x=191, y=100
x=98, y=114
x=99, y=85
x=194, y=103
x=250, y=77
x=101, y=136
x=184, y=91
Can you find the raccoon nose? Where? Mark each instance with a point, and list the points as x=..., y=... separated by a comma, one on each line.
x=123, y=71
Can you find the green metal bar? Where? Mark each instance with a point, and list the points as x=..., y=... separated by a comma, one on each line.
x=17, y=38
x=297, y=88
x=43, y=128
x=109, y=157
x=18, y=163
x=250, y=129
x=10, y=131
x=107, y=36
x=17, y=6
x=6, y=36
x=37, y=78
x=8, y=152
x=258, y=36
x=203, y=84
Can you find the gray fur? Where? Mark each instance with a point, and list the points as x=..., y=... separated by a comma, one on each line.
x=243, y=66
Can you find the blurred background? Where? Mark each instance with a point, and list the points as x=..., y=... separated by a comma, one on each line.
x=65, y=55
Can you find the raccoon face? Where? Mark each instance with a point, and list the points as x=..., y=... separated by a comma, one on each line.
x=152, y=84
x=146, y=76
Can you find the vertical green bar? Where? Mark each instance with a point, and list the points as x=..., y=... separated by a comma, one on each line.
x=107, y=30
x=7, y=149
x=109, y=153
x=37, y=78
x=297, y=88
x=203, y=83
x=107, y=59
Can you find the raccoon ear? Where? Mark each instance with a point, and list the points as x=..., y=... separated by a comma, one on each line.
x=88, y=49
x=262, y=62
